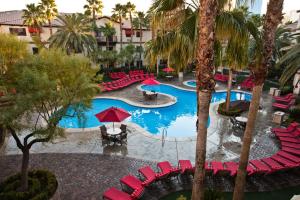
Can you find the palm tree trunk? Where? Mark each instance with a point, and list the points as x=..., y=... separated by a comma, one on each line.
x=131, y=27
x=205, y=86
x=272, y=19
x=24, y=170
x=141, y=42
x=50, y=27
x=229, y=85
x=121, y=34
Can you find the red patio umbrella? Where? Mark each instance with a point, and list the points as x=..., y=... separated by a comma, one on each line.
x=113, y=114
x=168, y=69
x=150, y=81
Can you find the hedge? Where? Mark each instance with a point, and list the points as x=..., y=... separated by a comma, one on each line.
x=42, y=186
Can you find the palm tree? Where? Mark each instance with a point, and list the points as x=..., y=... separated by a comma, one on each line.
x=130, y=9
x=33, y=17
x=272, y=19
x=93, y=8
x=49, y=10
x=119, y=12
x=74, y=35
x=205, y=86
x=108, y=30
x=139, y=22
x=291, y=63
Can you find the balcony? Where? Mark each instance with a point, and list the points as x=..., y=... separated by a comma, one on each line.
x=102, y=39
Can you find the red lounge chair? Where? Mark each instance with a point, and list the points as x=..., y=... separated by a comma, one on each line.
x=291, y=150
x=232, y=167
x=291, y=145
x=290, y=128
x=283, y=97
x=251, y=170
x=115, y=194
x=149, y=176
x=289, y=156
x=283, y=161
x=289, y=139
x=135, y=184
x=186, y=167
x=285, y=101
x=292, y=134
x=260, y=166
x=283, y=106
x=167, y=171
x=218, y=167
x=272, y=164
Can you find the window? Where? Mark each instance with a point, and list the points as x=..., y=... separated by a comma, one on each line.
x=128, y=32
x=138, y=34
x=35, y=50
x=18, y=31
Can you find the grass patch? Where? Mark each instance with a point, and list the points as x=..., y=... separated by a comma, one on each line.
x=42, y=186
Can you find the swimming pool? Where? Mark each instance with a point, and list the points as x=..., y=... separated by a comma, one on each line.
x=191, y=83
x=178, y=119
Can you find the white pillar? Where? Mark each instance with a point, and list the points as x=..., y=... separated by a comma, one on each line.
x=296, y=83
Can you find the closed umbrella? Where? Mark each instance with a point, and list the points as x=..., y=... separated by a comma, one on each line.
x=113, y=114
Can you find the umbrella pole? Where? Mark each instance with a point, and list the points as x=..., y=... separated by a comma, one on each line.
x=113, y=126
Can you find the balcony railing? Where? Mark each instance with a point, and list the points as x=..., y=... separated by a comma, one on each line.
x=112, y=39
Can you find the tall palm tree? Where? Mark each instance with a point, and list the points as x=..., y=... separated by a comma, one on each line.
x=74, y=35
x=139, y=22
x=50, y=11
x=93, y=8
x=272, y=19
x=119, y=12
x=205, y=86
x=108, y=30
x=33, y=17
x=130, y=9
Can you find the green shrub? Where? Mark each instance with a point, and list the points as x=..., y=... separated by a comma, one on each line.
x=295, y=113
x=231, y=112
x=286, y=89
x=297, y=102
x=42, y=185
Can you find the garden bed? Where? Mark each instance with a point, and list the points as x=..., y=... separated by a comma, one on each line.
x=42, y=186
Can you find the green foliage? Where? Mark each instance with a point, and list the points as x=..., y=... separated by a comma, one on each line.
x=74, y=35
x=93, y=7
x=107, y=30
x=127, y=54
x=42, y=186
x=33, y=15
x=48, y=9
x=12, y=50
x=286, y=89
x=231, y=112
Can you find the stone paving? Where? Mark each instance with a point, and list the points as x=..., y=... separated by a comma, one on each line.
x=78, y=149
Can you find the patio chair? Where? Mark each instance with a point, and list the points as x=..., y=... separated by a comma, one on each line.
x=290, y=144
x=260, y=166
x=167, y=171
x=275, y=166
x=283, y=161
x=291, y=150
x=218, y=168
x=123, y=128
x=148, y=175
x=115, y=194
x=283, y=106
x=251, y=170
x=232, y=167
x=293, y=134
x=290, y=128
x=282, y=98
x=186, y=167
x=289, y=156
x=134, y=185
x=289, y=139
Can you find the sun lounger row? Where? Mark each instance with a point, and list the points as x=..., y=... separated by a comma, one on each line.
x=221, y=77
x=133, y=187
x=117, y=75
x=247, y=84
x=123, y=82
x=283, y=106
x=284, y=99
x=136, y=72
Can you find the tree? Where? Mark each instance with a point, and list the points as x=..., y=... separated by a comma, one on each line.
x=108, y=31
x=205, y=86
x=130, y=9
x=259, y=69
x=139, y=22
x=50, y=11
x=33, y=17
x=47, y=84
x=119, y=12
x=126, y=55
x=93, y=8
x=74, y=35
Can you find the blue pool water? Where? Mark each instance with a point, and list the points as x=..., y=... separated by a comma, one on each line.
x=179, y=119
x=191, y=83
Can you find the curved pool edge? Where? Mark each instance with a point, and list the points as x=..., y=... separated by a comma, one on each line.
x=186, y=83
